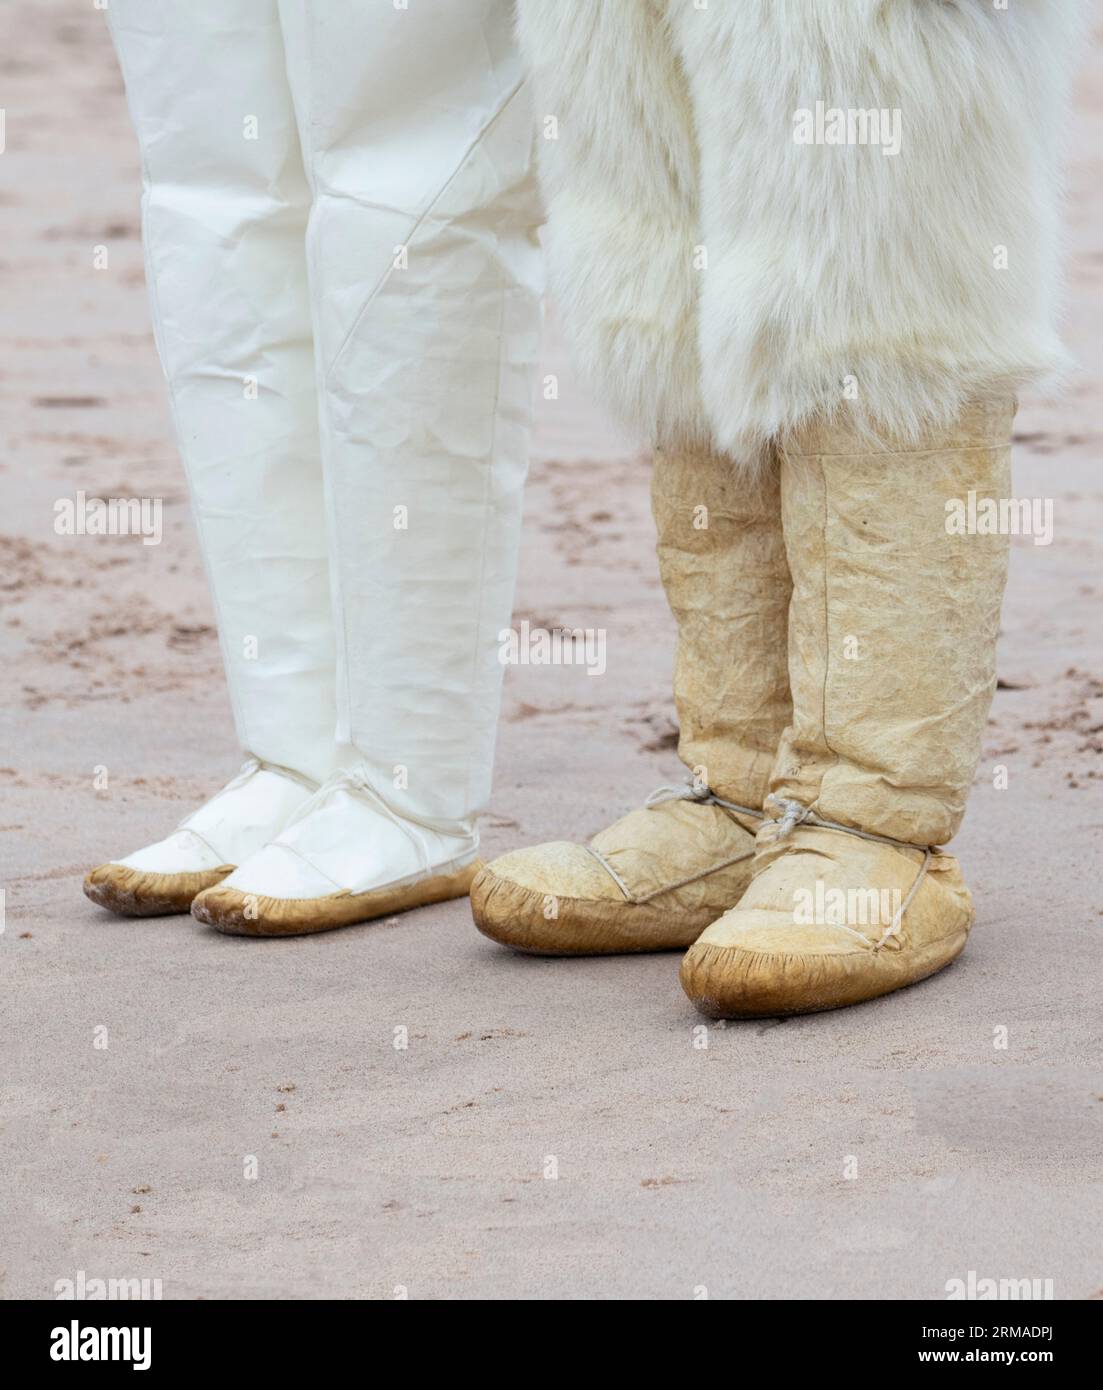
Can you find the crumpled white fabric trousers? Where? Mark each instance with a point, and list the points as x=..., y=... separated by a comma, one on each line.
x=340, y=228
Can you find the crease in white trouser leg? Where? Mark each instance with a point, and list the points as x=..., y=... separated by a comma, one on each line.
x=418, y=223
x=488, y=490
x=234, y=262
x=157, y=319
x=362, y=419
x=302, y=97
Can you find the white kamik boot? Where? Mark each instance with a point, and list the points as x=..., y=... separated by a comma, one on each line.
x=164, y=878
x=345, y=857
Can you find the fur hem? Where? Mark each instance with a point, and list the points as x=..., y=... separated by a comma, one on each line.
x=890, y=277
x=618, y=169
x=905, y=397
x=729, y=270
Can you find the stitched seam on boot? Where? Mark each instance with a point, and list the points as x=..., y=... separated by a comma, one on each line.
x=668, y=887
x=905, y=453
x=826, y=638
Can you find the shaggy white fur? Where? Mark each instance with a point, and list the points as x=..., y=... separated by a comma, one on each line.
x=619, y=173
x=840, y=278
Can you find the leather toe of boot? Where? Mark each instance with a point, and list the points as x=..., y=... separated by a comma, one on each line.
x=650, y=882
x=554, y=899
x=815, y=929
x=131, y=892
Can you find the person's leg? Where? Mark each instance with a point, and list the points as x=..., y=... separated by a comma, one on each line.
x=868, y=193
x=892, y=660
x=620, y=180
x=425, y=277
x=655, y=879
x=878, y=207
x=878, y=200
x=224, y=210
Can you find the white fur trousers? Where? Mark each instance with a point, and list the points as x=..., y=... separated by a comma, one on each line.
x=763, y=211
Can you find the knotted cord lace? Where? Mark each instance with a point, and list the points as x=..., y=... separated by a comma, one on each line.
x=699, y=794
x=794, y=813
x=355, y=781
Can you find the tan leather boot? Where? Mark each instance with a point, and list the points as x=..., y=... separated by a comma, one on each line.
x=892, y=643
x=655, y=879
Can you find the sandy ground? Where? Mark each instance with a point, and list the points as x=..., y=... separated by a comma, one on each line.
x=679, y=1167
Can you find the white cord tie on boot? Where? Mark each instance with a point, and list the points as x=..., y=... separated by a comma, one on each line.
x=794, y=813
x=253, y=765
x=249, y=768
x=355, y=781
x=695, y=792
x=700, y=793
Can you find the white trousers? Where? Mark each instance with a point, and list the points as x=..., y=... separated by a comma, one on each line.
x=340, y=226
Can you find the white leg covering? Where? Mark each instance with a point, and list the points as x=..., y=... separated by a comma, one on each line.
x=225, y=209
x=426, y=280
x=425, y=277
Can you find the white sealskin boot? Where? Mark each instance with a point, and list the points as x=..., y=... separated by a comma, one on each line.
x=426, y=278
x=344, y=858
x=164, y=878
x=892, y=646
x=656, y=878
x=224, y=215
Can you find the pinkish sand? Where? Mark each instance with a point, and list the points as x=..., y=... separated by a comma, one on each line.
x=679, y=1167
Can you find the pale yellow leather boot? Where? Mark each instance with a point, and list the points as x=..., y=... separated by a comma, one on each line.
x=656, y=878
x=892, y=646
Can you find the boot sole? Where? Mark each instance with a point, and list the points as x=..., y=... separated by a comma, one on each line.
x=136, y=893
x=517, y=917
x=728, y=982
x=235, y=913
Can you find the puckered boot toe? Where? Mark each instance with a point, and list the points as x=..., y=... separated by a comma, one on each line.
x=164, y=878
x=829, y=919
x=346, y=857
x=650, y=882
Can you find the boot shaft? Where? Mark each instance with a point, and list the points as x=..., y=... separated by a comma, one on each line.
x=722, y=561
x=893, y=623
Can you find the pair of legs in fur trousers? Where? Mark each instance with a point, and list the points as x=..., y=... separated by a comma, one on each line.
x=340, y=220
x=831, y=719
x=808, y=251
